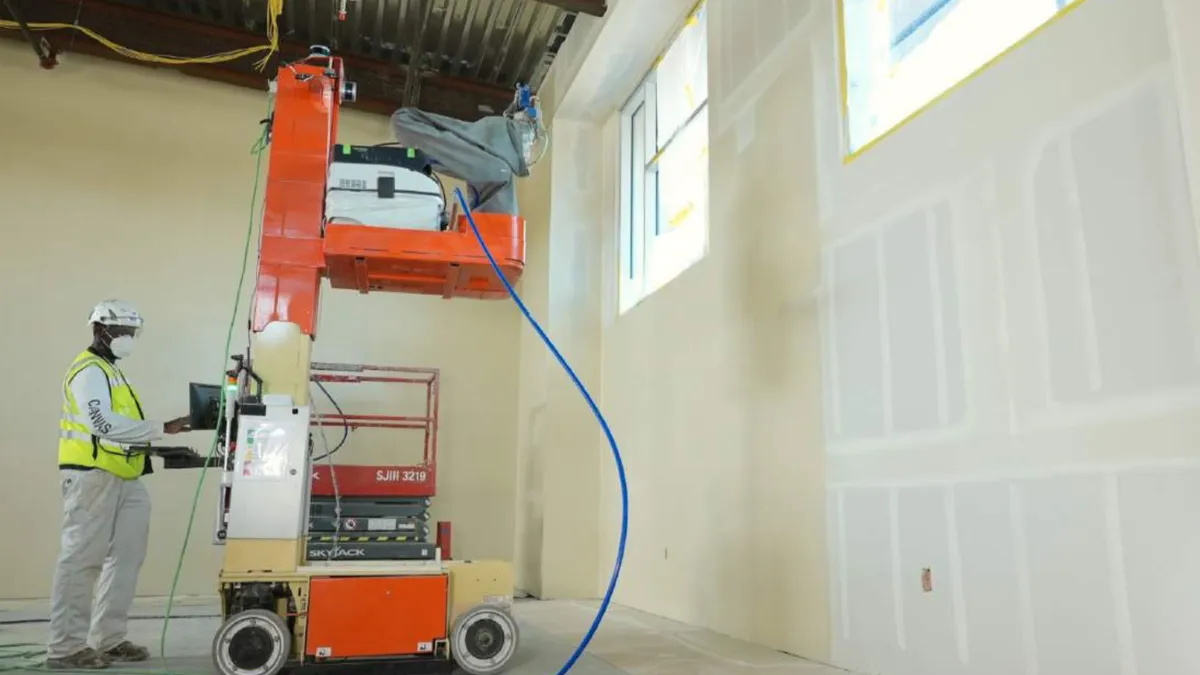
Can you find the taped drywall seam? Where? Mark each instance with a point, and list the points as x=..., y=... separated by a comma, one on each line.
x=957, y=588
x=939, y=320
x=843, y=582
x=1024, y=593
x=1116, y=571
x=1091, y=342
x=1185, y=94
x=897, y=581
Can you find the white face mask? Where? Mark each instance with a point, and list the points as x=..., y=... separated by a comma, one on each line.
x=122, y=346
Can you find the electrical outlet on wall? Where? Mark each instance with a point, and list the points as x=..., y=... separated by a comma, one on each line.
x=926, y=580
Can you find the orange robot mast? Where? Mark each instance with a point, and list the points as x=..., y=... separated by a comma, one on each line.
x=299, y=247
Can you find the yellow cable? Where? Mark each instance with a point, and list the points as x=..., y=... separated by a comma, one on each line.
x=274, y=9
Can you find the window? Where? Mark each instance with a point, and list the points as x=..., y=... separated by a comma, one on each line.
x=664, y=167
x=900, y=55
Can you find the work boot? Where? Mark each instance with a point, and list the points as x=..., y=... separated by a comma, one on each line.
x=88, y=659
x=127, y=652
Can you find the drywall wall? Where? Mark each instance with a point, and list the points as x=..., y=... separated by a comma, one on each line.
x=712, y=385
x=535, y=364
x=122, y=181
x=1011, y=369
x=558, y=452
x=970, y=352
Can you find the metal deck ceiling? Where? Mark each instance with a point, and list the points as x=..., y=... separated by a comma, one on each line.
x=456, y=57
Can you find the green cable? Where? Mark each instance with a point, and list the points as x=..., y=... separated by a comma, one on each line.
x=258, y=150
x=31, y=659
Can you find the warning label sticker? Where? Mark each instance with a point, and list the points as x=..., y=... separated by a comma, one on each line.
x=264, y=456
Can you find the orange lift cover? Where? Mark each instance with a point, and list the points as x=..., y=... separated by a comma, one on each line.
x=363, y=617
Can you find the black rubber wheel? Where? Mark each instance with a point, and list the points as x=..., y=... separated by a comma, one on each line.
x=256, y=642
x=251, y=648
x=484, y=640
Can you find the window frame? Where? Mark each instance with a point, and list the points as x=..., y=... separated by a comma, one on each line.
x=633, y=242
x=849, y=153
x=641, y=230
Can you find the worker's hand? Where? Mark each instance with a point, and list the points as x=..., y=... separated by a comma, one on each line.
x=178, y=425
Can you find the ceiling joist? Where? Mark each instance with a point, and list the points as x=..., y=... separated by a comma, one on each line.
x=459, y=58
x=590, y=7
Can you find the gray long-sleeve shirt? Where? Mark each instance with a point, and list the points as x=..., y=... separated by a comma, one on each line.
x=90, y=389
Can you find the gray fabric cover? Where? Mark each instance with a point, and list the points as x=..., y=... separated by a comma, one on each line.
x=485, y=154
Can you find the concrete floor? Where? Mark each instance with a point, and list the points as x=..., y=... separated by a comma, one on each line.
x=628, y=643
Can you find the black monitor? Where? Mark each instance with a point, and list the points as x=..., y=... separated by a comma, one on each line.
x=204, y=406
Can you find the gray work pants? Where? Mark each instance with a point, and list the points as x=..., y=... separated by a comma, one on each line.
x=106, y=523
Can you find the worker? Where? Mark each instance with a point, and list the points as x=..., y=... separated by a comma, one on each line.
x=103, y=440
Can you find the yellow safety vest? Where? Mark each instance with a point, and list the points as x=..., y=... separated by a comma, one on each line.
x=77, y=447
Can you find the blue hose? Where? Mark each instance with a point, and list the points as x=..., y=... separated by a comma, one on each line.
x=612, y=442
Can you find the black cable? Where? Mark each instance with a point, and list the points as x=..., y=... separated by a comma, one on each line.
x=445, y=196
x=345, y=423
x=46, y=59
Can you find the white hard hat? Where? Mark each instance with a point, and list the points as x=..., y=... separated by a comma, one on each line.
x=115, y=313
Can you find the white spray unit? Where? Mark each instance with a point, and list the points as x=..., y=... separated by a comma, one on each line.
x=383, y=187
